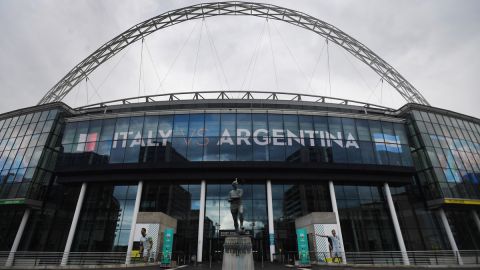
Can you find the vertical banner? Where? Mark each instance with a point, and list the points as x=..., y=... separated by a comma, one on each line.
x=302, y=241
x=167, y=246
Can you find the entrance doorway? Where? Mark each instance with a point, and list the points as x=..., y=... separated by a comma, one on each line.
x=219, y=222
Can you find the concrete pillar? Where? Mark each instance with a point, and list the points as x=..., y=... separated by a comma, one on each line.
x=73, y=227
x=476, y=218
x=201, y=220
x=134, y=222
x=271, y=231
x=451, y=239
x=18, y=237
x=333, y=198
x=396, y=225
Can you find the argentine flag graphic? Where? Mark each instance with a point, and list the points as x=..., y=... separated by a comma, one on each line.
x=386, y=142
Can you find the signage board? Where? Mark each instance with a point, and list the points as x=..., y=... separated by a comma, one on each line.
x=167, y=246
x=302, y=242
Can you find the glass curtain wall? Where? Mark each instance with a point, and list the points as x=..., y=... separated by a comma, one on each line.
x=446, y=154
x=219, y=221
x=464, y=229
x=23, y=140
x=291, y=201
x=47, y=228
x=365, y=218
x=10, y=218
x=180, y=201
x=106, y=218
x=421, y=227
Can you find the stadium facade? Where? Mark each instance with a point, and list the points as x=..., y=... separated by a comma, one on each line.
x=290, y=157
x=82, y=179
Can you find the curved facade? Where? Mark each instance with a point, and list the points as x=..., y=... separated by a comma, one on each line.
x=294, y=160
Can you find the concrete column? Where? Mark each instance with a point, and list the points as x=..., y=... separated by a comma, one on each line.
x=201, y=220
x=73, y=227
x=271, y=231
x=18, y=237
x=134, y=222
x=476, y=218
x=396, y=225
x=333, y=198
x=451, y=239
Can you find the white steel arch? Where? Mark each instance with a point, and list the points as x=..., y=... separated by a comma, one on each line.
x=205, y=10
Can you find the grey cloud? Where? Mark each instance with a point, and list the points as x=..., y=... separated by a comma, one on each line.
x=433, y=44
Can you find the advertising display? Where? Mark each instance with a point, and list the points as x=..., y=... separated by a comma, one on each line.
x=302, y=242
x=167, y=246
x=237, y=137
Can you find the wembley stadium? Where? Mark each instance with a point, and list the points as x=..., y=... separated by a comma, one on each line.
x=398, y=184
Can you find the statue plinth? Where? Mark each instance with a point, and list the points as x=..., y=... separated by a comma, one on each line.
x=237, y=253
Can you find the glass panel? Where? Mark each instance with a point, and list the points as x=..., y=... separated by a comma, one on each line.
x=211, y=149
x=117, y=152
x=320, y=124
x=197, y=125
x=260, y=148
x=244, y=125
x=81, y=132
x=69, y=133
x=103, y=151
x=136, y=127
x=227, y=148
x=381, y=153
x=335, y=128
x=244, y=149
x=290, y=123
x=48, y=126
x=401, y=133
x=349, y=129
x=179, y=146
x=150, y=126
x=275, y=124
x=94, y=131
x=195, y=148
x=212, y=125
x=121, y=128
x=180, y=125
x=165, y=127
x=277, y=149
x=52, y=114
x=38, y=128
x=43, y=116
x=132, y=151
x=108, y=126
x=376, y=131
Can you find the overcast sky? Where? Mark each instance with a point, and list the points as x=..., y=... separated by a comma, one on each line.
x=433, y=44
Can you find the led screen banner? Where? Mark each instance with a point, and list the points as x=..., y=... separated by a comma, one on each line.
x=241, y=137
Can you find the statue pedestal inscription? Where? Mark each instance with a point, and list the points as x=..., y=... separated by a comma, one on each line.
x=237, y=253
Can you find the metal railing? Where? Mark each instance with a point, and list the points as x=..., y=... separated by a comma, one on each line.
x=429, y=257
x=34, y=258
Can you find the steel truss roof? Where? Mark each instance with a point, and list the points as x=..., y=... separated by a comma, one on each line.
x=234, y=95
x=205, y=10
